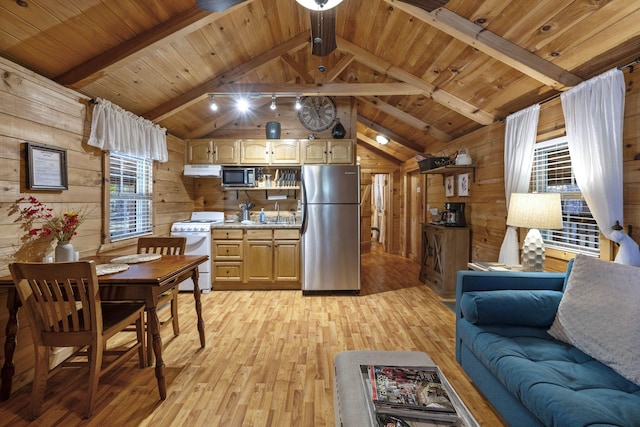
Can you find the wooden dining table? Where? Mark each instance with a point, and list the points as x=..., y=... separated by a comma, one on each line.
x=142, y=281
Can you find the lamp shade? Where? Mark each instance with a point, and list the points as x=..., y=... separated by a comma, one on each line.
x=319, y=5
x=535, y=210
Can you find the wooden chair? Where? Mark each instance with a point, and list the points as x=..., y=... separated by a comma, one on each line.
x=62, y=302
x=164, y=246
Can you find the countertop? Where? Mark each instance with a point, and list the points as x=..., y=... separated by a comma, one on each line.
x=256, y=224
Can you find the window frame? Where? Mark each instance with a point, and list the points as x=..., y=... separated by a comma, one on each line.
x=147, y=197
x=589, y=242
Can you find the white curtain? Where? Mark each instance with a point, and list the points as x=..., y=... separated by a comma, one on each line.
x=378, y=197
x=594, y=115
x=519, y=142
x=114, y=129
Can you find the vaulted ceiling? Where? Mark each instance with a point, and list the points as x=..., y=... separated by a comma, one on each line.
x=418, y=76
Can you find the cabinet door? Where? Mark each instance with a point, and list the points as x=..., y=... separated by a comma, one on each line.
x=340, y=151
x=226, y=152
x=314, y=152
x=285, y=152
x=227, y=250
x=258, y=261
x=200, y=151
x=287, y=260
x=254, y=152
x=227, y=272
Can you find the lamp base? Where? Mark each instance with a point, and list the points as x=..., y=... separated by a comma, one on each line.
x=533, y=251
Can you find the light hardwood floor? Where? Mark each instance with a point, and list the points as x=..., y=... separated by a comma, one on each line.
x=269, y=357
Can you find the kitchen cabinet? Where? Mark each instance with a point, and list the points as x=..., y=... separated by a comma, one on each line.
x=254, y=152
x=200, y=152
x=285, y=151
x=213, y=151
x=226, y=151
x=228, y=254
x=258, y=258
x=445, y=250
x=332, y=151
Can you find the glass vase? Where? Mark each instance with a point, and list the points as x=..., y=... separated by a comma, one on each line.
x=64, y=251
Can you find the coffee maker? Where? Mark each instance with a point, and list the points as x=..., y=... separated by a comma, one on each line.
x=453, y=215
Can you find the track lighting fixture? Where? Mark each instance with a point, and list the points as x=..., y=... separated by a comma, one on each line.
x=243, y=105
x=298, y=103
x=212, y=103
x=273, y=102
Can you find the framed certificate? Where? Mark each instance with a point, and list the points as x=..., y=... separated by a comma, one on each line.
x=46, y=167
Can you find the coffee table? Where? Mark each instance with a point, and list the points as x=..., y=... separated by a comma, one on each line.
x=351, y=409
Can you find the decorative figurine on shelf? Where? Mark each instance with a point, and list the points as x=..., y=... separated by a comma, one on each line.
x=338, y=131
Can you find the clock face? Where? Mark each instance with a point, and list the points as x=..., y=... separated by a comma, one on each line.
x=317, y=113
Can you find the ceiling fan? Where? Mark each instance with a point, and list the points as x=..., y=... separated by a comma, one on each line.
x=323, y=21
x=216, y=5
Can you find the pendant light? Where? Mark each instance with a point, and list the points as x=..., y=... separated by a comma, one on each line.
x=319, y=5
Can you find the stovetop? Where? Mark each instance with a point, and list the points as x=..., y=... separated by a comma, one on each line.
x=200, y=221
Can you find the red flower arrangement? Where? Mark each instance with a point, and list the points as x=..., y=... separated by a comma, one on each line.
x=39, y=220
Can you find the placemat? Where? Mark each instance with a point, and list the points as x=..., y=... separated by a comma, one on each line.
x=135, y=258
x=103, y=269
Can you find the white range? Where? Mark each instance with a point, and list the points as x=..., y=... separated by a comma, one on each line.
x=197, y=230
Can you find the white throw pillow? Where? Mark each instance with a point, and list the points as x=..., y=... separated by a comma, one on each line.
x=600, y=314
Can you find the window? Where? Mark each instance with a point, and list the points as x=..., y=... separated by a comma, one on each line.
x=552, y=173
x=130, y=192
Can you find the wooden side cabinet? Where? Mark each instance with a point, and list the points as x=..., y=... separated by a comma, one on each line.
x=445, y=250
x=228, y=254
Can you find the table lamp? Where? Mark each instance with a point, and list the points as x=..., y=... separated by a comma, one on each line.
x=534, y=211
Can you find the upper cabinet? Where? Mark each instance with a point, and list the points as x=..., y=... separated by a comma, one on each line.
x=322, y=151
x=210, y=151
x=264, y=152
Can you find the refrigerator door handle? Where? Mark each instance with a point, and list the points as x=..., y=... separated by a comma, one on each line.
x=303, y=227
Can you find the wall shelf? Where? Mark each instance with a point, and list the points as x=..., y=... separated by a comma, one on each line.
x=453, y=169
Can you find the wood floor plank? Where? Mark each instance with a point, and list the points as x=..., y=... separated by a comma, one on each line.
x=269, y=357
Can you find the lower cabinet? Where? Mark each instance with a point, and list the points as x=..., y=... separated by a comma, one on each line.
x=262, y=259
x=445, y=250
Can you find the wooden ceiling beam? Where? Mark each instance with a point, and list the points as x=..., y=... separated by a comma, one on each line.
x=342, y=64
x=200, y=92
x=132, y=49
x=298, y=68
x=440, y=96
x=406, y=118
x=370, y=124
x=326, y=89
x=493, y=45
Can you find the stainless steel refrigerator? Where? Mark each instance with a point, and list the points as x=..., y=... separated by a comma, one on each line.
x=331, y=229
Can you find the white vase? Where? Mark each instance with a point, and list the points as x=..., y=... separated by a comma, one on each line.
x=64, y=251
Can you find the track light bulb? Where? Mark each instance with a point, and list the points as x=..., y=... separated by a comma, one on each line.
x=243, y=105
x=273, y=102
x=212, y=103
x=298, y=103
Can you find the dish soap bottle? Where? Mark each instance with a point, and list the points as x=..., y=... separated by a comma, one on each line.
x=262, y=216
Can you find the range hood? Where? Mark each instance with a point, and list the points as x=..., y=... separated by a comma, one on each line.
x=203, y=171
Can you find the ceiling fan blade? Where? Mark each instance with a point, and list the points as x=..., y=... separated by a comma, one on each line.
x=428, y=5
x=323, y=32
x=216, y=5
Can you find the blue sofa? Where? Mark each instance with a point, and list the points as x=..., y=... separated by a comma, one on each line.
x=529, y=377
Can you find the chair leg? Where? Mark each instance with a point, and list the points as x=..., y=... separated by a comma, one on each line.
x=174, y=312
x=40, y=375
x=95, y=366
x=140, y=335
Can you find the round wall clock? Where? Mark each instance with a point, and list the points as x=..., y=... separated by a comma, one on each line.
x=317, y=113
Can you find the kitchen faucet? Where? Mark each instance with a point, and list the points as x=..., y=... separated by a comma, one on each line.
x=277, y=208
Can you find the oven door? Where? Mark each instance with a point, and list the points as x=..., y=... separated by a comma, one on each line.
x=198, y=243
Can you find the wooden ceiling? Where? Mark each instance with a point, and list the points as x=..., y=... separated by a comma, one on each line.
x=418, y=76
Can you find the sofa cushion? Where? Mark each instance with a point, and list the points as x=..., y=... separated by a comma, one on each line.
x=599, y=314
x=556, y=382
x=513, y=307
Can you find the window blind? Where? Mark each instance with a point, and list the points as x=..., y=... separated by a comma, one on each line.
x=131, y=191
x=552, y=173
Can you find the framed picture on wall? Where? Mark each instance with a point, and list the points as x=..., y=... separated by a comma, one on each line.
x=449, y=186
x=463, y=184
x=46, y=167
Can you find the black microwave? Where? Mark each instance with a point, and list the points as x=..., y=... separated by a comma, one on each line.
x=238, y=177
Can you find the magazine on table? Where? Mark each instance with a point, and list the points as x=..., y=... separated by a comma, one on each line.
x=399, y=392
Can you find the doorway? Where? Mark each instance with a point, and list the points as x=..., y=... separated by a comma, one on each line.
x=380, y=210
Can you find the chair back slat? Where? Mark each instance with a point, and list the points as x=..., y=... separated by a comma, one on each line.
x=62, y=296
x=162, y=245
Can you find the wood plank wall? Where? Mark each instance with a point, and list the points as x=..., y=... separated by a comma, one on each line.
x=34, y=109
x=485, y=205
